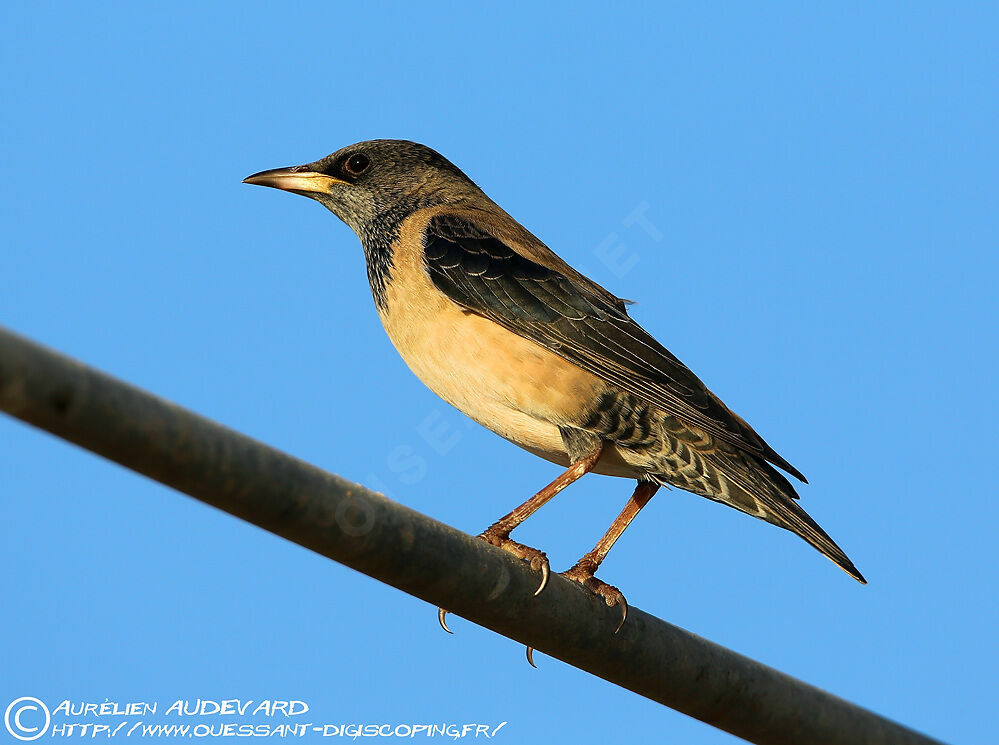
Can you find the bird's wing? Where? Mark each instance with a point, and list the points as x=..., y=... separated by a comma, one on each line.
x=578, y=320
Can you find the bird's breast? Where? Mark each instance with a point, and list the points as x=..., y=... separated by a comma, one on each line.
x=505, y=382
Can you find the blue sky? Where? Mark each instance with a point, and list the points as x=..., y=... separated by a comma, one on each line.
x=818, y=242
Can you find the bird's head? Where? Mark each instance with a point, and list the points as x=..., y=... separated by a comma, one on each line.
x=364, y=181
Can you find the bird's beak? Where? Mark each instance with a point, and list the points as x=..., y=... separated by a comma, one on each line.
x=298, y=179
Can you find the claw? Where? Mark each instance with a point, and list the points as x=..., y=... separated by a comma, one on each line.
x=441, y=614
x=530, y=657
x=624, y=612
x=545, y=572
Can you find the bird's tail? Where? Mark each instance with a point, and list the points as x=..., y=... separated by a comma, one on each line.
x=783, y=511
x=753, y=486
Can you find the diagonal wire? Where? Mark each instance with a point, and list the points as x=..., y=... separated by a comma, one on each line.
x=425, y=558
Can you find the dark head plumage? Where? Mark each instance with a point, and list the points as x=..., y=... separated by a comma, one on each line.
x=372, y=186
x=363, y=182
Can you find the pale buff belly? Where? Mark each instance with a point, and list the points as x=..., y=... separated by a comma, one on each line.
x=508, y=384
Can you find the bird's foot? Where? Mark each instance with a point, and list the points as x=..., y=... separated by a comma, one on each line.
x=537, y=559
x=582, y=573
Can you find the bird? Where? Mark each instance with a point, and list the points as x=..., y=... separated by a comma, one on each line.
x=507, y=332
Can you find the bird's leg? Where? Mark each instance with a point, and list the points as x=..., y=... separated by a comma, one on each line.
x=498, y=534
x=586, y=567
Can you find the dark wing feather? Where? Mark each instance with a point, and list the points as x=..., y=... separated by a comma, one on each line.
x=577, y=322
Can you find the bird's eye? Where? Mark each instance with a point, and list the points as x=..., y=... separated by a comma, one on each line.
x=356, y=164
